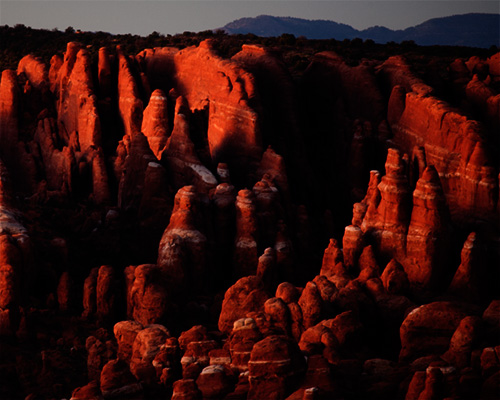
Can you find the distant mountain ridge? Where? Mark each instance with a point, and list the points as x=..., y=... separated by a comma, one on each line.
x=474, y=30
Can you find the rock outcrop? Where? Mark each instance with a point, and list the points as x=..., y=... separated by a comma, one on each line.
x=274, y=366
x=388, y=212
x=181, y=157
x=224, y=90
x=76, y=100
x=427, y=242
x=177, y=224
x=245, y=296
x=182, y=254
x=129, y=104
x=454, y=144
x=155, y=124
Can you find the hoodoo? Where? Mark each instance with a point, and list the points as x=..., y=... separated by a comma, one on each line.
x=238, y=217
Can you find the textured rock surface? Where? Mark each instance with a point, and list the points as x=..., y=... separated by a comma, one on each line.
x=226, y=91
x=155, y=122
x=76, y=101
x=249, y=222
x=130, y=106
x=274, y=363
x=245, y=296
x=430, y=327
x=246, y=252
x=184, y=164
x=388, y=210
x=429, y=122
x=427, y=241
x=146, y=345
x=182, y=252
x=9, y=103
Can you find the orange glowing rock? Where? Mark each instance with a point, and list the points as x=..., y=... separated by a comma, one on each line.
x=9, y=102
x=129, y=104
x=155, y=122
x=245, y=296
x=180, y=156
x=35, y=70
x=226, y=91
x=427, y=241
x=76, y=101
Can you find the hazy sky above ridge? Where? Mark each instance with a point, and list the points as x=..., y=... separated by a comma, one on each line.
x=176, y=16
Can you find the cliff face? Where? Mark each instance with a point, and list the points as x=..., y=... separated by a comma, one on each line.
x=176, y=224
x=454, y=144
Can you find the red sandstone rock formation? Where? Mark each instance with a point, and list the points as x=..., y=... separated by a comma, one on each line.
x=104, y=74
x=186, y=389
x=148, y=296
x=454, y=145
x=318, y=339
x=76, y=101
x=133, y=174
x=90, y=293
x=243, y=337
x=394, y=278
x=463, y=341
x=388, y=210
x=181, y=158
x=146, y=345
x=56, y=63
x=34, y=69
x=106, y=296
x=245, y=296
x=341, y=320
x=125, y=333
x=9, y=103
x=16, y=258
x=279, y=113
x=332, y=256
x=466, y=283
x=182, y=254
x=59, y=165
x=429, y=328
x=427, y=242
x=247, y=235
x=226, y=91
x=274, y=365
x=273, y=165
x=155, y=122
x=278, y=315
x=310, y=303
x=219, y=87
x=214, y=382
x=116, y=380
x=129, y=104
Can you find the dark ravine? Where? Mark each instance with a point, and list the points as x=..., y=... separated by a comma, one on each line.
x=176, y=224
x=474, y=30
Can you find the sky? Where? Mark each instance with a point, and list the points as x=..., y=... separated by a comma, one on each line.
x=176, y=16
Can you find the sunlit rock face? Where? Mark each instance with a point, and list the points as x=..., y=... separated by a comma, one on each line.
x=227, y=91
x=9, y=97
x=226, y=220
x=76, y=101
x=453, y=143
x=155, y=122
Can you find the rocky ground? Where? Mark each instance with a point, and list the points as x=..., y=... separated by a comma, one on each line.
x=175, y=224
